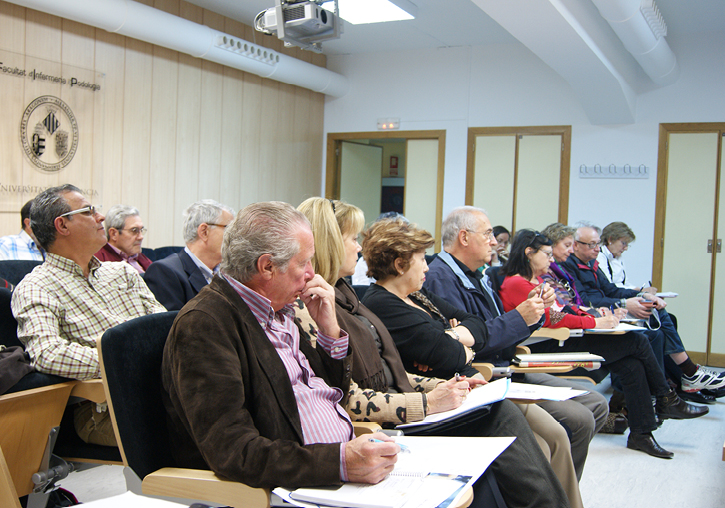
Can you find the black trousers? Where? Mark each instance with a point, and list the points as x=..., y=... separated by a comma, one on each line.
x=630, y=357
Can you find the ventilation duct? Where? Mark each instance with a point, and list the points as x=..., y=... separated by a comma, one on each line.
x=641, y=28
x=144, y=23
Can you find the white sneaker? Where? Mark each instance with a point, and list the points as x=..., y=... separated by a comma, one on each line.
x=704, y=379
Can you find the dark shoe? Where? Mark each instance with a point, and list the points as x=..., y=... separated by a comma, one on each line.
x=616, y=402
x=715, y=393
x=699, y=397
x=672, y=406
x=646, y=443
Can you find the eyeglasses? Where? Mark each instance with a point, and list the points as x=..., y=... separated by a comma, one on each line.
x=591, y=245
x=549, y=255
x=89, y=211
x=136, y=231
x=488, y=234
x=219, y=225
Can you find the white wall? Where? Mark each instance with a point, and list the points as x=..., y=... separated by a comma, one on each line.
x=506, y=85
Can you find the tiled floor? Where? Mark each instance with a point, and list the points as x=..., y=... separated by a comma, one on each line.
x=614, y=476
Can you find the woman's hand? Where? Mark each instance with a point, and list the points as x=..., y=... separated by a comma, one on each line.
x=608, y=321
x=448, y=395
x=421, y=367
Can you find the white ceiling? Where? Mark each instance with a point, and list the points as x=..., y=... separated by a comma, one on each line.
x=570, y=36
x=446, y=23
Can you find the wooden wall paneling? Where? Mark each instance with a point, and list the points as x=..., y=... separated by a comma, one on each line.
x=12, y=27
x=12, y=47
x=289, y=168
x=43, y=35
x=43, y=41
x=269, y=132
x=170, y=6
x=111, y=62
x=301, y=176
x=230, y=163
x=188, y=117
x=250, y=168
x=210, y=129
x=134, y=182
x=77, y=60
x=316, y=139
x=164, y=105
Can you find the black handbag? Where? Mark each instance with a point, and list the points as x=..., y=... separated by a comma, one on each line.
x=14, y=364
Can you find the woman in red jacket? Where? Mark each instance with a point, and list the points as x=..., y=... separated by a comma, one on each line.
x=629, y=355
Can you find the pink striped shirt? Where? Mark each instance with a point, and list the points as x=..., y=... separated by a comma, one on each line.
x=323, y=419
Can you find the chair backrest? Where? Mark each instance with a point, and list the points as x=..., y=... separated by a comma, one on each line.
x=493, y=275
x=149, y=253
x=13, y=270
x=162, y=252
x=8, y=325
x=130, y=355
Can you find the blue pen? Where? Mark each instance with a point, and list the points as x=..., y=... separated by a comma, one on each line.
x=403, y=448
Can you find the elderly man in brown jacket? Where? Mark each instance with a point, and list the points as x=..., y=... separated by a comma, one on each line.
x=245, y=397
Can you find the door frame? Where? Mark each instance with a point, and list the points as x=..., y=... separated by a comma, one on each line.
x=661, y=211
x=332, y=165
x=541, y=130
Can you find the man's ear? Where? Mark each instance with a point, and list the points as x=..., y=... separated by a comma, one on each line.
x=265, y=266
x=202, y=232
x=26, y=224
x=113, y=234
x=61, y=227
x=463, y=237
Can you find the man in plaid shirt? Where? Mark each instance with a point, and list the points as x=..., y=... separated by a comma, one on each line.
x=63, y=305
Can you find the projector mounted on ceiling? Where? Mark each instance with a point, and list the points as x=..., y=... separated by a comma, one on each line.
x=302, y=23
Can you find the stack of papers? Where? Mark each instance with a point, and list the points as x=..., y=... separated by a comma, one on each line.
x=430, y=476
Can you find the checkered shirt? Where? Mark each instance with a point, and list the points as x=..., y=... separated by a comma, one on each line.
x=60, y=312
x=19, y=247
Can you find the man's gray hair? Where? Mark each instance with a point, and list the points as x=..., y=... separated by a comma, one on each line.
x=204, y=211
x=48, y=206
x=463, y=217
x=117, y=215
x=585, y=224
x=261, y=228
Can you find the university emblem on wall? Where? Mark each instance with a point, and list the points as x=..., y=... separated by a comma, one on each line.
x=49, y=133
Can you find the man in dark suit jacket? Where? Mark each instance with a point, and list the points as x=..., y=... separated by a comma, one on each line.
x=468, y=243
x=252, y=401
x=178, y=278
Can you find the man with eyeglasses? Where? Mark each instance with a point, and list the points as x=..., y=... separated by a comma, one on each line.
x=597, y=291
x=66, y=303
x=178, y=278
x=468, y=244
x=125, y=232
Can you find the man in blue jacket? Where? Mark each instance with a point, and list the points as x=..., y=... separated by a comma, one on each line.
x=597, y=291
x=468, y=243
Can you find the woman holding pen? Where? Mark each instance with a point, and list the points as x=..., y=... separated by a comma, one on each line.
x=628, y=355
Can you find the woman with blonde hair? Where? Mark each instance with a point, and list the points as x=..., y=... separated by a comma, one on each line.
x=382, y=391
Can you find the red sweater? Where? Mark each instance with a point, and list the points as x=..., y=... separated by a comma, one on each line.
x=516, y=289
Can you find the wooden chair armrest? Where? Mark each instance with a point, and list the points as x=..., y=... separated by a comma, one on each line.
x=523, y=350
x=552, y=333
x=549, y=370
x=362, y=428
x=204, y=486
x=486, y=369
x=91, y=389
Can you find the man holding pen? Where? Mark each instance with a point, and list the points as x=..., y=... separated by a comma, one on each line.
x=245, y=397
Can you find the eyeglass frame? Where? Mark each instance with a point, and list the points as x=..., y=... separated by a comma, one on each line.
x=139, y=231
x=89, y=211
x=217, y=225
x=590, y=245
x=489, y=234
